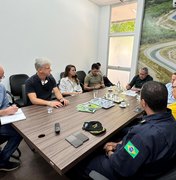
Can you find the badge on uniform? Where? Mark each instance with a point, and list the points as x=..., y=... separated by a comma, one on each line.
x=131, y=149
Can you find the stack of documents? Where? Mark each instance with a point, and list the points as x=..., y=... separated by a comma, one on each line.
x=130, y=93
x=19, y=115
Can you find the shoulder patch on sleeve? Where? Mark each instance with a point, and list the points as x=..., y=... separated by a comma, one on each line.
x=131, y=149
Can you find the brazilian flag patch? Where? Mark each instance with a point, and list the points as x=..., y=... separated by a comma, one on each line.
x=131, y=149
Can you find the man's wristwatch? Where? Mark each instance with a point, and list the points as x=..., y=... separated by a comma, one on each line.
x=61, y=99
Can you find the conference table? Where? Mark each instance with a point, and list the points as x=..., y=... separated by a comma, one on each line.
x=38, y=129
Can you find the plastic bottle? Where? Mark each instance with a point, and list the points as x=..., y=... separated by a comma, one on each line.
x=118, y=85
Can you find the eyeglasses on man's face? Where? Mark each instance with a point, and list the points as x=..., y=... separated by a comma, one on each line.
x=2, y=77
x=173, y=87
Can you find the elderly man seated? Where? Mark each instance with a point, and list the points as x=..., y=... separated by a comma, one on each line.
x=139, y=80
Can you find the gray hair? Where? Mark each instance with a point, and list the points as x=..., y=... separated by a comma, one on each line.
x=40, y=62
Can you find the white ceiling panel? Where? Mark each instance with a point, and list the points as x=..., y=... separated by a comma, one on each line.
x=105, y=2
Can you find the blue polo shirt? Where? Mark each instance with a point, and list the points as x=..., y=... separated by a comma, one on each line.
x=4, y=102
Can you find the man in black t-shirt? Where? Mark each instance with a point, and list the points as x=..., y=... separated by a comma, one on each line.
x=40, y=86
x=139, y=80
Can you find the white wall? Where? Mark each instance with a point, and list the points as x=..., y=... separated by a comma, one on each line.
x=64, y=31
x=103, y=37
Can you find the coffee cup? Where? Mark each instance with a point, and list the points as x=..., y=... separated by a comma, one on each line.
x=123, y=104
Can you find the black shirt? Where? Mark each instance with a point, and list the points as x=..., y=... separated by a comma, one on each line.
x=138, y=83
x=43, y=90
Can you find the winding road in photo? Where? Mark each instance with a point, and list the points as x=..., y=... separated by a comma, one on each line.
x=153, y=53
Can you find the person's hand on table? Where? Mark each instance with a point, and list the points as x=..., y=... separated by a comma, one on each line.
x=11, y=109
x=110, y=147
x=64, y=101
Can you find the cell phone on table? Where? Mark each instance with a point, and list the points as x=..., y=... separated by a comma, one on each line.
x=74, y=141
x=81, y=136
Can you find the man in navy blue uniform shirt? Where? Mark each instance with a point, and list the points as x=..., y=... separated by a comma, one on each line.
x=148, y=148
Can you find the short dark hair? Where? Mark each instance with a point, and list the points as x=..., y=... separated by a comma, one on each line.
x=98, y=64
x=95, y=66
x=155, y=95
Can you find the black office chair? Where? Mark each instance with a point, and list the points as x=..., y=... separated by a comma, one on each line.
x=61, y=76
x=81, y=75
x=24, y=95
x=97, y=176
x=169, y=175
x=10, y=97
x=16, y=82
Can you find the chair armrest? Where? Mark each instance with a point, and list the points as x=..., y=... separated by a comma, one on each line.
x=11, y=96
x=97, y=176
x=24, y=95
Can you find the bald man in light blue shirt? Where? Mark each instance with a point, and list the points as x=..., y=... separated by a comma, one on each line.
x=171, y=98
x=7, y=132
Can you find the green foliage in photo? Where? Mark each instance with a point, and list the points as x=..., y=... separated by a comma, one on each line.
x=127, y=26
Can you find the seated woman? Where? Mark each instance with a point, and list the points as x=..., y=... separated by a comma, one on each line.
x=69, y=85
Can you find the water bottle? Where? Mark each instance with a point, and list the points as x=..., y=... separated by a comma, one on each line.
x=118, y=86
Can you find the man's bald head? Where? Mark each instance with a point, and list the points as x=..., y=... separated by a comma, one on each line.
x=174, y=89
x=1, y=72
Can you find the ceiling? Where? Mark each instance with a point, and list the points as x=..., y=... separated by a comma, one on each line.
x=123, y=13
x=106, y=2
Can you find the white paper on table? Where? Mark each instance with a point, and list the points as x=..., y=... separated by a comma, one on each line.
x=130, y=93
x=19, y=115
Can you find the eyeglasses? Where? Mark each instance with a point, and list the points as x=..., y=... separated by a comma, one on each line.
x=2, y=77
x=173, y=87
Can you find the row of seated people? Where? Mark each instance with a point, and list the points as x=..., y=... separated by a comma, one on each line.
x=74, y=83
x=39, y=88
x=71, y=83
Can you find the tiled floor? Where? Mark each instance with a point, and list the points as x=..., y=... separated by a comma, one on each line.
x=33, y=167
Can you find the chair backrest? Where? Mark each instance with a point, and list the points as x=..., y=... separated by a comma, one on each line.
x=97, y=176
x=24, y=95
x=16, y=82
x=61, y=75
x=81, y=75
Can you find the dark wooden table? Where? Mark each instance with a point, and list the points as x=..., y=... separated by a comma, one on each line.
x=54, y=148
